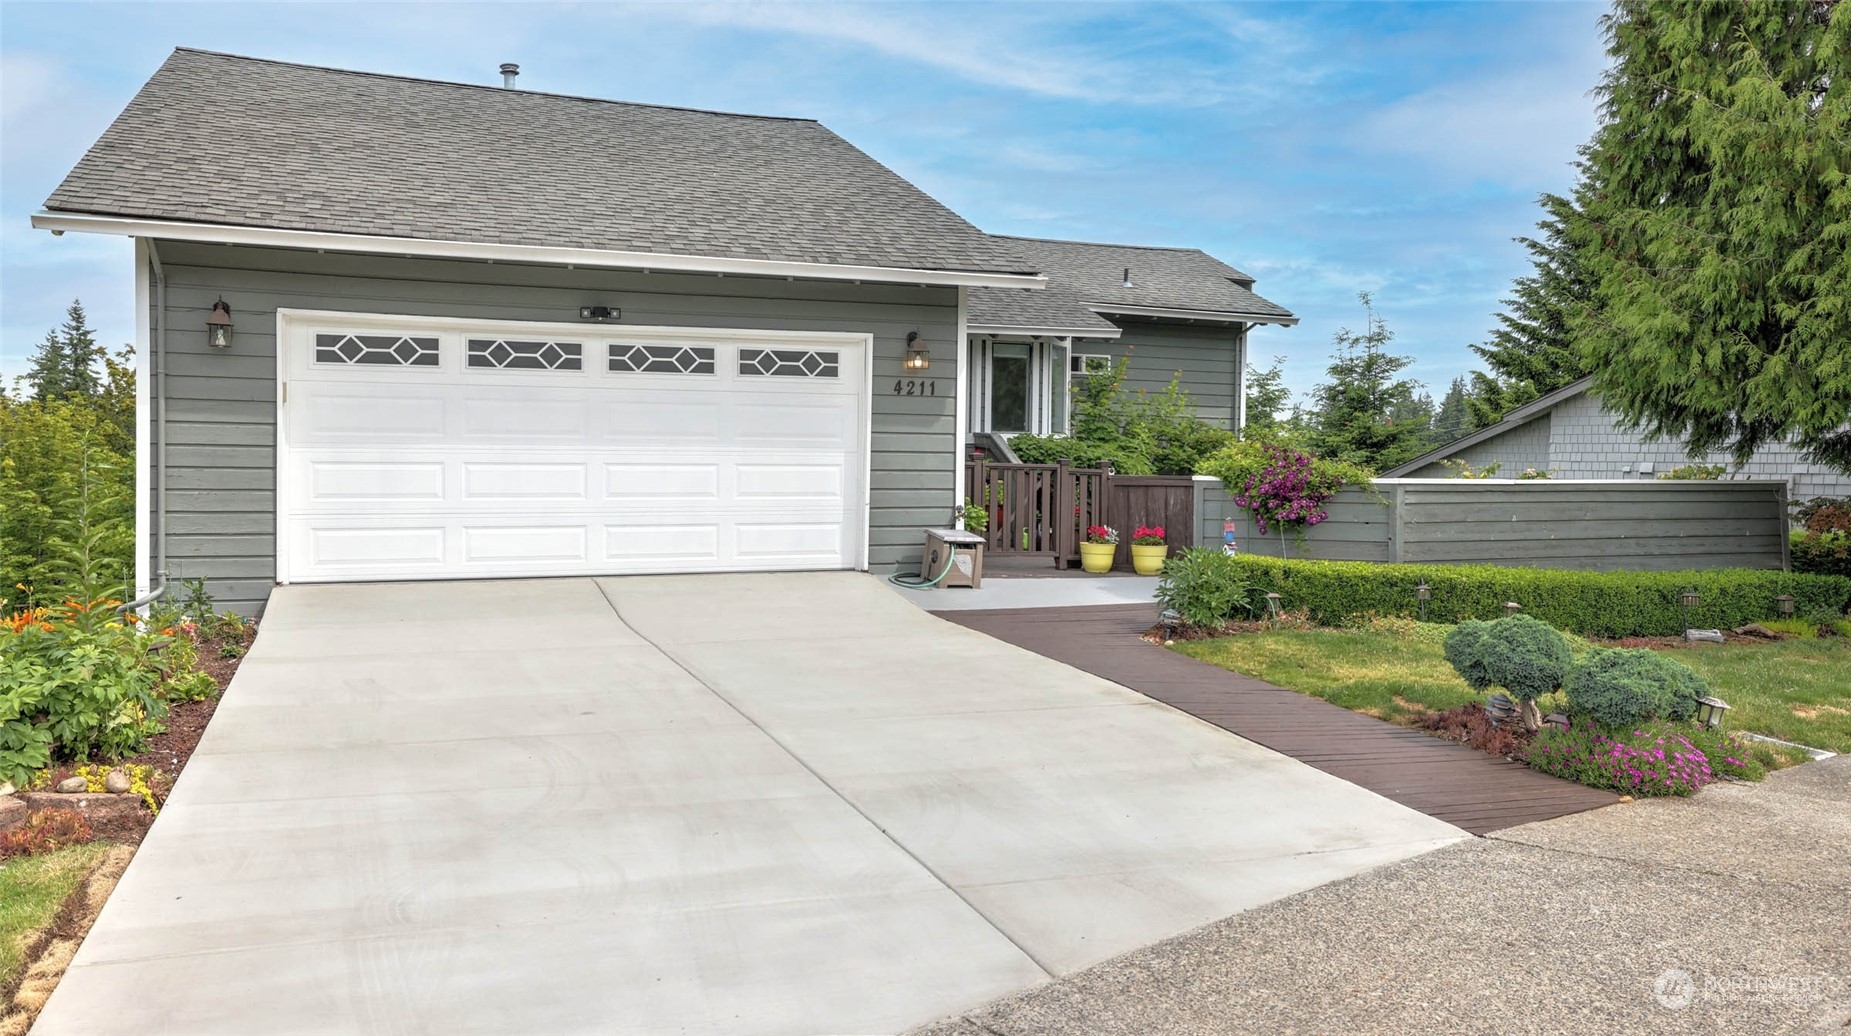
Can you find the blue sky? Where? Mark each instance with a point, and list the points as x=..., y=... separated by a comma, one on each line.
x=1324, y=148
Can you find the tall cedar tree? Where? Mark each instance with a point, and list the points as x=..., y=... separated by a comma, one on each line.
x=66, y=361
x=1355, y=412
x=1716, y=227
x=1532, y=353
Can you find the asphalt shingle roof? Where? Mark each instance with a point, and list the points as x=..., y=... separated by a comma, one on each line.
x=217, y=138
x=1084, y=278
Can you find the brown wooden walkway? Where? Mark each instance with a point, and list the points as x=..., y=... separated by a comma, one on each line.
x=1440, y=778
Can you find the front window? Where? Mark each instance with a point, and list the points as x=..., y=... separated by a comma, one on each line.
x=1024, y=385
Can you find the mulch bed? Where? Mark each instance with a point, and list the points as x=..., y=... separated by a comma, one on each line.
x=1471, y=725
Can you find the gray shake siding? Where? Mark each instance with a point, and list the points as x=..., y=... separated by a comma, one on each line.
x=221, y=493
x=1207, y=358
x=1578, y=438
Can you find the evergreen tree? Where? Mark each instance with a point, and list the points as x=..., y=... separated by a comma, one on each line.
x=1715, y=225
x=1454, y=417
x=65, y=363
x=1354, y=413
x=1267, y=396
x=1533, y=352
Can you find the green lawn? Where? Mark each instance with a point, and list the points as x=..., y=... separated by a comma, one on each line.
x=1795, y=690
x=31, y=890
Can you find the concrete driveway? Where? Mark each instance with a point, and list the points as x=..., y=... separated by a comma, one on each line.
x=718, y=804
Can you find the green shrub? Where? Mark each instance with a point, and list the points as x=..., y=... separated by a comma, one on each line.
x=1595, y=604
x=1461, y=649
x=1802, y=628
x=1204, y=587
x=1823, y=553
x=1524, y=655
x=1128, y=457
x=1618, y=687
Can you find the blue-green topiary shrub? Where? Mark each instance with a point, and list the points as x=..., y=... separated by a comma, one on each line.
x=1617, y=687
x=1462, y=651
x=1526, y=656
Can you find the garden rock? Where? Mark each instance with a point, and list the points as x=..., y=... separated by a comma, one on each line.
x=12, y=812
x=1707, y=636
x=1755, y=629
x=73, y=786
x=94, y=806
x=117, y=783
x=7, y=788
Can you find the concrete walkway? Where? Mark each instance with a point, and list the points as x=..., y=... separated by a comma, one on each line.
x=726, y=804
x=1724, y=913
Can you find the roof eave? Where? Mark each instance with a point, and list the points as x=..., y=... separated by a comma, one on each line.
x=1035, y=331
x=1213, y=316
x=272, y=237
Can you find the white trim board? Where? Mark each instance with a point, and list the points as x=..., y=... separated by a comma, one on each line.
x=215, y=233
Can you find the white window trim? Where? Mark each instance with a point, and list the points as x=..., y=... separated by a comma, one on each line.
x=454, y=329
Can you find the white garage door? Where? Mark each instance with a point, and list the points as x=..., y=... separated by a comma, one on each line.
x=509, y=449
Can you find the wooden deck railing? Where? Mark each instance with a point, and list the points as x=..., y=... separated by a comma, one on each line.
x=1044, y=509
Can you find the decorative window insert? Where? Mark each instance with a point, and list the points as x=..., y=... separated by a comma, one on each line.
x=661, y=359
x=508, y=354
x=376, y=350
x=789, y=363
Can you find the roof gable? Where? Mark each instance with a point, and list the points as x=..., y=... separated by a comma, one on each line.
x=216, y=138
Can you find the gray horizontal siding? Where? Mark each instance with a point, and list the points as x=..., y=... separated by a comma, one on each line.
x=222, y=404
x=1206, y=360
x=1547, y=524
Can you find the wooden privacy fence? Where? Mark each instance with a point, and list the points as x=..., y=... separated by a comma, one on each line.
x=1044, y=509
x=1640, y=524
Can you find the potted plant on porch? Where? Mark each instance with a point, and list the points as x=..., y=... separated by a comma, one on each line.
x=1148, y=549
x=1100, y=548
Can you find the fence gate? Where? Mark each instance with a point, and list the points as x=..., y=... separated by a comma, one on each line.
x=1044, y=509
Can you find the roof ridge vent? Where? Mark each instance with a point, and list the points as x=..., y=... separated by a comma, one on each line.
x=509, y=70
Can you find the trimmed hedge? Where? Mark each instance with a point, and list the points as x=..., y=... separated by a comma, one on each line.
x=1594, y=604
x=1827, y=553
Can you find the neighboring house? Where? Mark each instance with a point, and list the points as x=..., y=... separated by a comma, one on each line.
x=473, y=331
x=1568, y=434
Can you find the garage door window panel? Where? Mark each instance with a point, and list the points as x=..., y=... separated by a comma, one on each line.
x=510, y=354
x=789, y=363
x=377, y=350
x=661, y=359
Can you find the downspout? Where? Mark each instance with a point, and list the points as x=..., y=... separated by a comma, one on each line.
x=159, y=402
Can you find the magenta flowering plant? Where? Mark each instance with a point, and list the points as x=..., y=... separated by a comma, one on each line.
x=1656, y=758
x=1289, y=491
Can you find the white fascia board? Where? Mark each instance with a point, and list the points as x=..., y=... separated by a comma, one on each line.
x=1006, y=330
x=266, y=237
x=1196, y=314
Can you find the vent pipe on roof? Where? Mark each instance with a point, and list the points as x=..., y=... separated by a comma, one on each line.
x=508, y=71
x=1127, y=282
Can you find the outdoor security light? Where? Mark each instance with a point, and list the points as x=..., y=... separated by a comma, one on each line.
x=917, y=357
x=1710, y=710
x=218, y=325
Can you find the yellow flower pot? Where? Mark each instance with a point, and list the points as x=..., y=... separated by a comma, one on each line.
x=1097, y=557
x=1149, y=560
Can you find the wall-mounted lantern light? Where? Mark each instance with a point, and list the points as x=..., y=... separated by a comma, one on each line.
x=1710, y=710
x=1785, y=603
x=1423, y=593
x=918, y=358
x=218, y=325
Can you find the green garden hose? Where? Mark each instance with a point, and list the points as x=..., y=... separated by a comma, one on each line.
x=951, y=557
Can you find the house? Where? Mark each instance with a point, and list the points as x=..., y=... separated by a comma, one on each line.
x=1569, y=434
x=402, y=329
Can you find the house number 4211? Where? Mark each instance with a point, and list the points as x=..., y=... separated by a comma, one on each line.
x=905, y=387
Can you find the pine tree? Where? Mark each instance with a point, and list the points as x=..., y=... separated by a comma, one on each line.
x=1354, y=413
x=46, y=375
x=1533, y=352
x=1715, y=225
